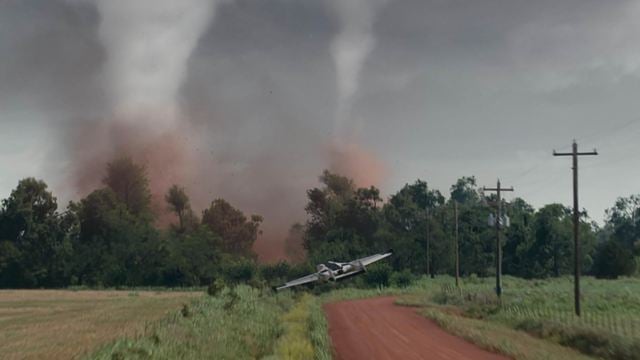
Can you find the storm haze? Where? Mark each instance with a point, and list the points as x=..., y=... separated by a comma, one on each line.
x=250, y=100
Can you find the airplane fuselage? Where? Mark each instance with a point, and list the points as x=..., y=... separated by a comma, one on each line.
x=332, y=269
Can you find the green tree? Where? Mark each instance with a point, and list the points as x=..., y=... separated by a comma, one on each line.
x=465, y=191
x=551, y=252
x=405, y=225
x=623, y=222
x=237, y=233
x=114, y=246
x=343, y=220
x=476, y=239
x=34, y=240
x=194, y=257
x=130, y=184
x=179, y=203
x=519, y=238
x=613, y=260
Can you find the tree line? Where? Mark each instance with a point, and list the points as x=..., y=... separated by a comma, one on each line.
x=346, y=221
x=111, y=237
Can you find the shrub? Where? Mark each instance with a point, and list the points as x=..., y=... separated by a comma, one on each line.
x=274, y=273
x=613, y=260
x=215, y=287
x=299, y=270
x=377, y=275
x=185, y=311
x=239, y=272
x=402, y=279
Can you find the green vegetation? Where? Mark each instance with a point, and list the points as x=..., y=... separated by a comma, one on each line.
x=346, y=221
x=242, y=322
x=239, y=323
x=319, y=331
x=609, y=327
x=499, y=338
x=296, y=343
x=112, y=238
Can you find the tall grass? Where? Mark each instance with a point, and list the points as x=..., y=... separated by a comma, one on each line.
x=609, y=327
x=240, y=323
x=319, y=331
x=295, y=343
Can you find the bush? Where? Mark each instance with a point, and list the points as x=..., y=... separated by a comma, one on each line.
x=613, y=260
x=215, y=287
x=402, y=279
x=377, y=275
x=239, y=272
x=274, y=273
x=299, y=270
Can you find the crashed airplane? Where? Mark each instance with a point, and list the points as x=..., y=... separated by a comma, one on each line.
x=335, y=271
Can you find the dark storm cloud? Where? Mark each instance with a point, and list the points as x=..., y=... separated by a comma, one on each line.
x=50, y=58
x=50, y=63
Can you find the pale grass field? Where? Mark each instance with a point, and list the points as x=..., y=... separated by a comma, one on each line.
x=60, y=324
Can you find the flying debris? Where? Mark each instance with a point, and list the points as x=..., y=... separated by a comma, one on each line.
x=334, y=271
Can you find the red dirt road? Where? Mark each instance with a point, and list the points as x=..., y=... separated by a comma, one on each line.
x=378, y=329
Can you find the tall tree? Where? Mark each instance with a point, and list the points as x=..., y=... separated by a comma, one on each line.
x=623, y=222
x=613, y=260
x=130, y=184
x=519, y=238
x=405, y=228
x=465, y=191
x=343, y=220
x=238, y=233
x=34, y=241
x=475, y=238
x=178, y=202
x=115, y=247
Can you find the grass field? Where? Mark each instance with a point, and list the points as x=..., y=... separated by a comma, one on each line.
x=53, y=324
x=609, y=327
x=238, y=323
x=534, y=320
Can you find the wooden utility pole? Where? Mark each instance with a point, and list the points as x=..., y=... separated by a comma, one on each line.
x=429, y=272
x=576, y=222
x=457, y=244
x=498, y=189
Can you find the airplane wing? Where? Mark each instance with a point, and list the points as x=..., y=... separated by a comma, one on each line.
x=373, y=258
x=349, y=274
x=301, y=281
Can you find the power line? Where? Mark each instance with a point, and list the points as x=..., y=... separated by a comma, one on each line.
x=600, y=135
x=597, y=137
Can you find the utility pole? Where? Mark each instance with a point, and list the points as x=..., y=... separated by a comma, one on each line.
x=429, y=272
x=457, y=244
x=498, y=189
x=576, y=221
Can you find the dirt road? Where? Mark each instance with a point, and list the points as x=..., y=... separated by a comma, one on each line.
x=378, y=329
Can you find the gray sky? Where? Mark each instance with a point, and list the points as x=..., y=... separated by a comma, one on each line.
x=445, y=89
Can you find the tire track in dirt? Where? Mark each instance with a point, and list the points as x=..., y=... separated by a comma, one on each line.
x=378, y=329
